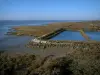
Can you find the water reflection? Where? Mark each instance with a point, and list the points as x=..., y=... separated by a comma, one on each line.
x=69, y=35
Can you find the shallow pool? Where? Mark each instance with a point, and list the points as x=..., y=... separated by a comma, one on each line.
x=94, y=35
x=69, y=35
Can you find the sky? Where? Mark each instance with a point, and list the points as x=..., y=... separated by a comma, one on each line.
x=49, y=9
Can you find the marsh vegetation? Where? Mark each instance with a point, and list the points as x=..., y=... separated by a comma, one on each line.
x=46, y=29
x=77, y=62
x=82, y=59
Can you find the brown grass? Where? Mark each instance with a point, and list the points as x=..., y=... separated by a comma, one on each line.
x=41, y=30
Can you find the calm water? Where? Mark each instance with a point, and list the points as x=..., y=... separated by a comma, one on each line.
x=6, y=25
x=94, y=35
x=69, y=35
x=16, y=44
x=13, y=43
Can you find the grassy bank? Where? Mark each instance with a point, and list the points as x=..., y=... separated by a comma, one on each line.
x=84, y=35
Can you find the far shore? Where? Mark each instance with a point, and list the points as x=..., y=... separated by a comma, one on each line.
x=44, y=33
x=38, y=31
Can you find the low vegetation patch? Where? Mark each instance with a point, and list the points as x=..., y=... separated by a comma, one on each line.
x=77, y=62
x=42, y=30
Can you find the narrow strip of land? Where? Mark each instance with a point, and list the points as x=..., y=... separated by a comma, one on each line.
x=84, y=35
x=52, y=34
